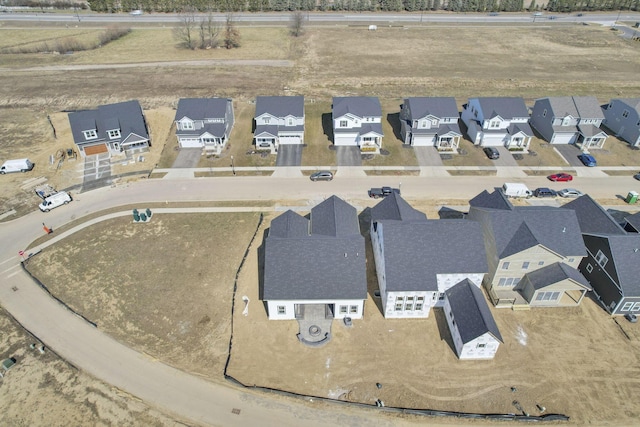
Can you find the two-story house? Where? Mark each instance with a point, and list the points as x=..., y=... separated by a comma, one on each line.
x=430, y=121
x=569, y=120
x=612, y=264
x=315, y=263
x=278, y=120
x=533, y=253
x=418, y=259
x=622, y=116
x=204, y=123
x=494, y=122
x=357, y=121
x=113, y=129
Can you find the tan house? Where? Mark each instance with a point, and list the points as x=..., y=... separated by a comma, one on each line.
x=532, y=251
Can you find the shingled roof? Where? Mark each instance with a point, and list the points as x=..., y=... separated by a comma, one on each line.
x=593, y=218
x=471, y=312
x=394, y=207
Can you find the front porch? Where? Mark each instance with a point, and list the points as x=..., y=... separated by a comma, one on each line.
x=448, y=143
x=314, y=322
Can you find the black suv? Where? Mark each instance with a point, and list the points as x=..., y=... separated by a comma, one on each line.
x=544, y=192
x=492, y=153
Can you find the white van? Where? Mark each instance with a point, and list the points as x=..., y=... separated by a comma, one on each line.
x=17, y=165
x=516, y=189
x=58, y=199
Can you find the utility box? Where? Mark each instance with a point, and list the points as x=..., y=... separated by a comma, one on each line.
x=632, y=197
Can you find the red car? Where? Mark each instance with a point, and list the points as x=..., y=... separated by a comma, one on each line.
x=560, y=177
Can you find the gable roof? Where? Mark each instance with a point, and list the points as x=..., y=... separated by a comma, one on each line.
x=505, y=107
x=625, y=253
x=360, y=106
x=202, y=108
x=592, y=217
x=554, y=273
x=575, y=106
x=280, y=106
x=289, y=224
x=334, y=217
x=394, y=207
x=494, y=200
x=633, y=221
x=631, y=102
x=471, y=312
x=440, y=107
x=125, y=116
x=415, y=252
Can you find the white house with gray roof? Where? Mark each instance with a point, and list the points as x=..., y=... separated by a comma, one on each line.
x=473, y=329
x=622, y=116
x=431, y=121
x=204, y=123
x=357, y=121
x=569, y=120
x=113, y=129
x=319, y=261
x=418, y=259
x=523, y=246
x=278, y=120
x=495, y=122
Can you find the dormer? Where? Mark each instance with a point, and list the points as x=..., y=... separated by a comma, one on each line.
x=90, y=134
x=186, y=124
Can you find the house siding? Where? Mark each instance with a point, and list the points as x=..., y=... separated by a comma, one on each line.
x=483, y=347
x=628, y=305
x=625, y=128
x=290, y=306
x=602, y=280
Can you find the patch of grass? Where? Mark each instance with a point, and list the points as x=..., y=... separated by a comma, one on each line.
x=214, y=174
x=620, y=172
x=459, y=172
x=468, y=155
x=317, y=133
x=392, y=172
x=157, y=175
x=541, y=153
x=616, y=153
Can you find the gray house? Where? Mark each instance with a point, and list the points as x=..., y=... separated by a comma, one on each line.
x=495, y=122
x=523, y=245
x=418, y=259
x=278, y=120
x=474, y=332
x=431, y=121
x=113, y=129
x=612, y=264
x=569, y=120
x=315, y=263
x=622, y=116
x=357, y=121
x=204, y=123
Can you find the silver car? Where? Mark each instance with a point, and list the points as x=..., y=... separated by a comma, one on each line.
x=322, y=176
x=570, y=192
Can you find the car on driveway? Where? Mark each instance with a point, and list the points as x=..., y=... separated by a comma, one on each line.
x=560, y=177
x=491, y=153
x=544, y=192
x=321, y=176
x=587, y=160
x=569, y=192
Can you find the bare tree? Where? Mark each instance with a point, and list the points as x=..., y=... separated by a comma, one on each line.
x=185, y=32
x=231, y=34
x=209, y=32
x=296, y=26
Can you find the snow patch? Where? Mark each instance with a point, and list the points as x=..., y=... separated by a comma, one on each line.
x=521, y=336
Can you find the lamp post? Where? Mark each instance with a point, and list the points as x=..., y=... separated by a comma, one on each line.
x=233, y=168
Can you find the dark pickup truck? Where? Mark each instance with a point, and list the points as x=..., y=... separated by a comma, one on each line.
x=376, y=193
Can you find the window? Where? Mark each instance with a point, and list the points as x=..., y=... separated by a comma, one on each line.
x=290, y=122
x=601, y=258
x=343, y=123
x=399, y=307
x=541, y=263
x=625, y=113
x=420, y=299
x=187, y=125
x=451, y=314
x=409, y=299
x=544, y=113
x=282, y=310
x=571, y=259
x=589, y=268
x=90, y=134
x=525, y=265
x=114, y=133
x=399, y=299
x=548, y=296
x=505, y=265
x=418, y=306
x=481, y=345
x=627, y=306
x=424, y=123
x=266, y=120
x=441, y=296
x=508, y=282
x=343, y=309
x=353, y=309
x=434, y=122
x=494, y=124
x=408, y=307
x=636, y=307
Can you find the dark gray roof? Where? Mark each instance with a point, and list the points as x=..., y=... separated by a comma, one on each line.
x=202, y=108
x=585, y=107
x=371, y=127
x=631, y=102
x=334, y=217
x=505, y=107
x=514, y=128
x=126, y=116
x=554, y=273
x=269, y=129
x=359, y=106
x=494, y=200
x=394, y=207
x=415, y=252
x=471, y=312
x=590, y=130
x=625, y=251
x=328, y=264
x=440, y=107
x=280, y=106
x=634, y=221
x=592, y=217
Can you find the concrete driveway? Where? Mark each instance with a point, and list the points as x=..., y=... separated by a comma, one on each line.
x=97, y=171
x=289, y=155
x=506, y=158
x=349, y=156
x=427, y=156
x=187, y=158
x=570, y=153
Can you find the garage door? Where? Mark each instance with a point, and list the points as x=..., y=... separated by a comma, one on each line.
x=95, y=149
x=289, y=139
x=190, y=143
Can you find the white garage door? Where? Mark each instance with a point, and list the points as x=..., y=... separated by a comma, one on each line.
x=424, y=140
x=290, y=139
x=190, y=143
x=344, y=140
x=563, y=138
x=492, y=140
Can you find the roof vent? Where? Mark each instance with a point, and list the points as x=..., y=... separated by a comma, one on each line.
x=564, y=229
x=635, y=250
x=345, y=254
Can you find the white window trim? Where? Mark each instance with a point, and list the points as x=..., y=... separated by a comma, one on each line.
x=90, y=134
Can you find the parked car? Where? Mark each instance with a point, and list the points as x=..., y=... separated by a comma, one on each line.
x=569, y=192
x=544, y=192
x=321, y=176
x=492, y=152
x=17, y=165
x=560, y=177
x=637, y=176
x=377, y=192
x=516, y=189
x=631, y=317
x=588, y=160
x=53, y=201
x=493, y=14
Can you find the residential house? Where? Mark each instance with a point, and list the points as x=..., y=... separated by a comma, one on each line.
x=357, y=121
x=318, y=261
x=569, y=120
x=278, y=120
x=494, y=122
x=113, y=129
x=612, y=264
x=474, y=332
x=532, y=252
x=622, y=116
x=418, y=259
x=204, y=123
x=431, y=121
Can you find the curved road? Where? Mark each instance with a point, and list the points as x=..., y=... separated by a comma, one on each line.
x=173, y=391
